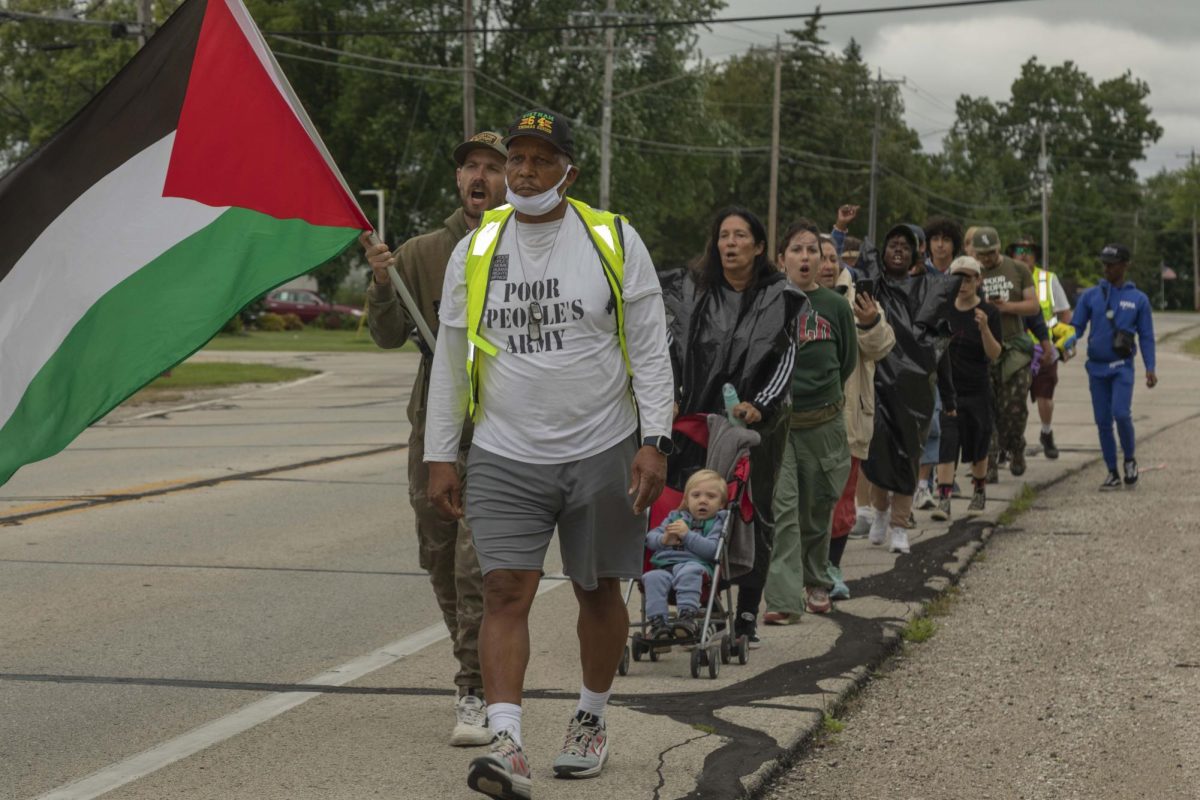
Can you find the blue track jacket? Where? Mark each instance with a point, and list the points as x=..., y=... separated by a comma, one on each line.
x=1131, y=312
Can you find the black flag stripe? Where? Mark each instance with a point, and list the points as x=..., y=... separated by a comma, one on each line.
x=137, y=108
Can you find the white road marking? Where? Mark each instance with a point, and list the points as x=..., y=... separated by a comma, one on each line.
x=202, y=403
x=230, y=725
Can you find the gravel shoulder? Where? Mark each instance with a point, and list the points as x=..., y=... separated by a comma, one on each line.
x=1068, y=665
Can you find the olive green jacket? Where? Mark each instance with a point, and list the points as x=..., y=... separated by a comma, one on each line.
x=421, y=262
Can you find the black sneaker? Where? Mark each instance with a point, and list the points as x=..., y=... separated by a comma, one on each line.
x=993, y=471
x=978, y=500
x=1131, y=472
x=1017, y=463
x=942, y=512
x=1113, y=481
x=1048, y=446
x=747, y=624
x=659, y=629
x=685, y=624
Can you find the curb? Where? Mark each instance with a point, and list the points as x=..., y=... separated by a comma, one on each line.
x=764, y=778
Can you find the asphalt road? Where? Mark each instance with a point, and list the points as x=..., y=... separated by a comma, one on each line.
x=224, y=601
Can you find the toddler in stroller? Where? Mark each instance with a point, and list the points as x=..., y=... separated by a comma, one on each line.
x=684, y=548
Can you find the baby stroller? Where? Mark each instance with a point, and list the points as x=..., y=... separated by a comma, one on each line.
x=715, y=643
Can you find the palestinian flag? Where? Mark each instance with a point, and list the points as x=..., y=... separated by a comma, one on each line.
x=191, y=184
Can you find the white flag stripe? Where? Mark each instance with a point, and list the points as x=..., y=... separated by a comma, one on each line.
x=108, y=233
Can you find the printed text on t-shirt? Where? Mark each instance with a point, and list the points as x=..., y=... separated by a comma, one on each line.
x=512, y=315
x=997, y=286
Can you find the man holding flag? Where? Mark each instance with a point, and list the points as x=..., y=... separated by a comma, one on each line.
x=445, y=547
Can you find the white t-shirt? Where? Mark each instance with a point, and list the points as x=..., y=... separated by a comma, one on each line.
x=1058, y=296
x=563, y=395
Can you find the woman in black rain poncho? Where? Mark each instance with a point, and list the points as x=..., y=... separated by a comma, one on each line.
x=904, y=381
x=732, y=320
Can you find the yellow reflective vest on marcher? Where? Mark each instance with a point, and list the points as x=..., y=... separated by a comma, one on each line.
x=604, y=231
x=1043, y=279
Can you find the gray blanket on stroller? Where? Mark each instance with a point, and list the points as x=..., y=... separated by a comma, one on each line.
x=727, y=443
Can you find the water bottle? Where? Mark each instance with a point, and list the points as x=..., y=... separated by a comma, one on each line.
x=731, y=400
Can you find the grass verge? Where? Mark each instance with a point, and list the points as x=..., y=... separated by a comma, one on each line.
x=918, y=629
x=307, y=340
x=831, y=725
x=213, y=375
x=1019, y=505
x=1192, y=346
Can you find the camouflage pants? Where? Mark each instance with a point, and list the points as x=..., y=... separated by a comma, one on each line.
x=1011, y=410
x=448, y=555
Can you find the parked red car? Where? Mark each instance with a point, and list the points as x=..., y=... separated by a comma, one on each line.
x=305, y=304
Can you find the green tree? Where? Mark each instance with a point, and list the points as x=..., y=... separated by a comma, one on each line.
x=1094, y=134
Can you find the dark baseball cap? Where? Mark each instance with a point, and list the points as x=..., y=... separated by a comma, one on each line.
x=1114, y=254
x=485, y=140
x=544, y=125
x=985, y=240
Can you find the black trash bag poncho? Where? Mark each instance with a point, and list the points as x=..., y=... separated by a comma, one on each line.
x=905, y=379
x=721, y=336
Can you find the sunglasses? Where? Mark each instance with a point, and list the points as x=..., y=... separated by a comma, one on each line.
x=1023, y=251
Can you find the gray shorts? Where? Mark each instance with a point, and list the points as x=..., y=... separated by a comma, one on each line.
x=513, y=507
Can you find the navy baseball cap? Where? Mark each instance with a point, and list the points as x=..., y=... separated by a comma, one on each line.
x=544, y=125
x=1115, y=254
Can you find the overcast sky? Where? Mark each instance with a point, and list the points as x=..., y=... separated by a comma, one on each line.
x=979, y=51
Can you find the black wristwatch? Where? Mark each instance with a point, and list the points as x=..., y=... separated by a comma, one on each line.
x=662, y=444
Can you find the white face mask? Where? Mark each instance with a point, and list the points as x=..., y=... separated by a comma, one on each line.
x=539, y=204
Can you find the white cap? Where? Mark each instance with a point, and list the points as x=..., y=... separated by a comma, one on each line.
x=966, y=265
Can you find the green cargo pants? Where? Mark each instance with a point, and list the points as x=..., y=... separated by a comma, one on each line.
x=816, y=464
x=447, y=553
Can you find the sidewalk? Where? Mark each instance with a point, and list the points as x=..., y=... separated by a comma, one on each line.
x=673, y=736
x=1067, y=665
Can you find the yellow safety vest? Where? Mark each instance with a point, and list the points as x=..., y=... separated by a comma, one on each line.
x=604, y=230
x=1044, y=279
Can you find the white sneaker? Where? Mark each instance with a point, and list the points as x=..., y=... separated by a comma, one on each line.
x=862, y=522
x=879, y=527
x=899, y=540
x=923, y=500
x=471, y=728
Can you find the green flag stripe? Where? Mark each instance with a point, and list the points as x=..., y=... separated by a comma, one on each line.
x=154, y=319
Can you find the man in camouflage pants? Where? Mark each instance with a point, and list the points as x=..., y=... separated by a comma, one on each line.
x=1008, y=285
x=445, y=547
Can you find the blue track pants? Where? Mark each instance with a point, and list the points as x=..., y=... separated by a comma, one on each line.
x=1112, y=400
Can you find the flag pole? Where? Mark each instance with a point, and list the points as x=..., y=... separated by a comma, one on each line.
x=410, y=304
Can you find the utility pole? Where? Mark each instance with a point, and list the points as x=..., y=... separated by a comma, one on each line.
x=871, y=211
x=610, y=36
x=1044, y=169
x=608, y=17
x=145, y=18
x=773, y=198
x=468, y=70
x=1195, y=235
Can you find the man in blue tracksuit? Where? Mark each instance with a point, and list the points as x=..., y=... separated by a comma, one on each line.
x=1117, y=311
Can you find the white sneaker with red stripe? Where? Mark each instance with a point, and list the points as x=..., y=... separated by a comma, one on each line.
x=585, y=749
x=503, y=774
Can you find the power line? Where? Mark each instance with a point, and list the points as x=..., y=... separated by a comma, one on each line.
x=671, y=23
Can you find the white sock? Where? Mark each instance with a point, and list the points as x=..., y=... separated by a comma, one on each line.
x=865, y=512
x=593, y=702
x=505, y=717
x=1046, y=429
